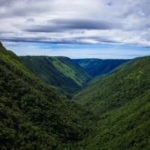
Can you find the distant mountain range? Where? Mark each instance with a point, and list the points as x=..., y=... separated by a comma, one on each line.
x=109, y=113
x=97, y=67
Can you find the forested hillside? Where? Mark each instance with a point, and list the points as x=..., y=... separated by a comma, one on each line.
x=61, y=72
x=97, y=67
x=34, y=116
x=122, y=100
x=109, y=114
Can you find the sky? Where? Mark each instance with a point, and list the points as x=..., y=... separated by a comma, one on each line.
x=77, y=29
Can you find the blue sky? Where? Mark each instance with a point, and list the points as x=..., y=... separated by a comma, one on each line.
x=79, y=50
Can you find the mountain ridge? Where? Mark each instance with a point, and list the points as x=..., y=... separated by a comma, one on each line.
x=97, y=67
x=57, y=71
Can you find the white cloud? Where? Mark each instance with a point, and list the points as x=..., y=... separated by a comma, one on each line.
x=125, y=22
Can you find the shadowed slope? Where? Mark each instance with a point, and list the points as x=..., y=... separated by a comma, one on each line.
x=97, y=67
x=61, y=72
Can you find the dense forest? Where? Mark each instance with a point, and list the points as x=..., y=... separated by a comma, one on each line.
x=110, y=113
x=122, y=101
x=35, y=116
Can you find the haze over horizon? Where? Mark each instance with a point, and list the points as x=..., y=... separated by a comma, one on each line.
x=76, y=29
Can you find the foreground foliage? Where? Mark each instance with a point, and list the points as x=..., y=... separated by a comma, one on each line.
x=33, y=115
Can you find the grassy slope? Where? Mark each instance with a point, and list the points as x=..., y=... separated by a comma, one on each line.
x=33, y=115
x=61, y=72
x=122, y=100
x=96, y=67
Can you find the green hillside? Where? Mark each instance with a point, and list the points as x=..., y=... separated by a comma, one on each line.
x=34, y=116
x=97, y=67
x=61, y=72
x=122, y=100
x=111, y=113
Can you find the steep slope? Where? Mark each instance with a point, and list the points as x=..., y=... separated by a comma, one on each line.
x=96, y=67
x=32, y=114
x=61, y=72
x=122, y=100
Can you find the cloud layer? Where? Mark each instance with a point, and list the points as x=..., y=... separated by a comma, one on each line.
x=80, y=21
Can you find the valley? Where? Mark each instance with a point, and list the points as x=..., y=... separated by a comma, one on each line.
x=55, y=103
x=61, y=72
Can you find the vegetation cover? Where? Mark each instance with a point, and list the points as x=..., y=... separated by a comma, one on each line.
x=98, y=67
x=61, y=72
x=122, y=100
x=34, y=116
x=111, y=113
